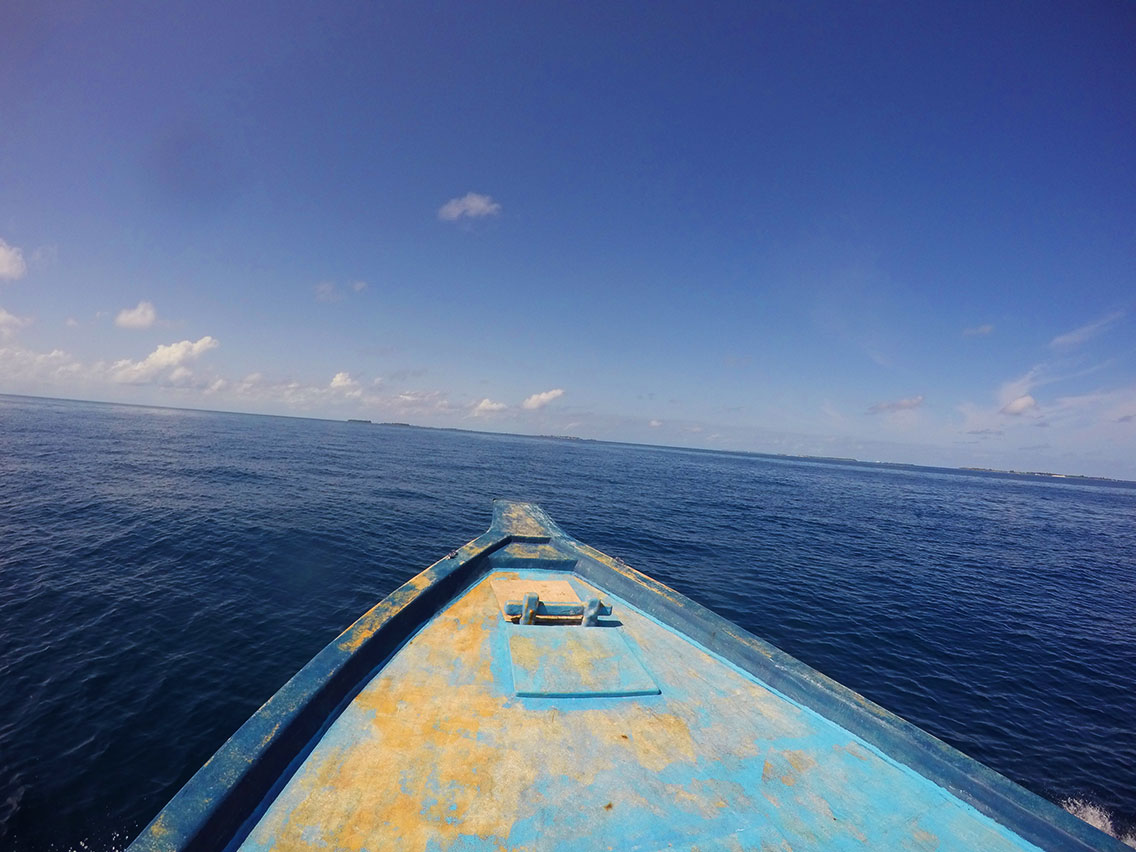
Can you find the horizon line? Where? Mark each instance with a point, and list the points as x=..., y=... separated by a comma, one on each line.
x=960, y=470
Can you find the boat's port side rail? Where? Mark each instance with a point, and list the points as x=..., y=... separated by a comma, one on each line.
x=218, y=800
x=1030, y=816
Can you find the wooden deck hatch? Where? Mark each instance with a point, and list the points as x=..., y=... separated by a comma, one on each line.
x=585, y=657
x=546, y=602
x=578, y=662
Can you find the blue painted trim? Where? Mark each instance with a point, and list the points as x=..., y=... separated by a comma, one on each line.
x=214, y=804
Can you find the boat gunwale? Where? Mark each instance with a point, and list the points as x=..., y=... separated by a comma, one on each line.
x=211, y=808
x=217, y=800
x=1030, y=816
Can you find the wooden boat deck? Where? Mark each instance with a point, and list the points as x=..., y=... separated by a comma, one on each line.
x=435, y=722
x=628, y=736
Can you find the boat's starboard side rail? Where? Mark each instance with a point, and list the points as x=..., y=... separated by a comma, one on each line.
x=1030, y=816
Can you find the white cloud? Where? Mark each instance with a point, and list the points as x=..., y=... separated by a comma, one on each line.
x=469, y=206
x=249, y=383
x=168, y=356
x=348, y=385
x=329, y=291
x=1097, y=407
x=897, y=405
x=72, y=322
x=343, y=382
x=257, y=388
x=10, y=323
x=326, y=291
x=12, y=265
x=1019, y=406
x=1011, y=394
x=978, y=330
x=540, y=400
x=419, y=403
x=1079, y=335
x=655, y=424
x=487, y=406
x=1021, y=386
x=20, y=366
x=142, y=316
x=1016, y=398
x=364, y=397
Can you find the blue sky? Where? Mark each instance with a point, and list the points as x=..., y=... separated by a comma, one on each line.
x=889, y=231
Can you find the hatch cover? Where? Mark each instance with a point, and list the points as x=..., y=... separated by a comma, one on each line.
x=564, y=662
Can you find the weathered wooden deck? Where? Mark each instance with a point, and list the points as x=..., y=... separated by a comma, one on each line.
x=438, y=751
x=435, y=722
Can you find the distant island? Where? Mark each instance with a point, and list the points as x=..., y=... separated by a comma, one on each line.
x=372, y=423
x=791, y=456
x=1042, y=473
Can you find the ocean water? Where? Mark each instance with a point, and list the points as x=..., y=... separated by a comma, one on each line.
x=163, y=572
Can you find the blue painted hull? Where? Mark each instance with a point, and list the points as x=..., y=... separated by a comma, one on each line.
x=671, y=727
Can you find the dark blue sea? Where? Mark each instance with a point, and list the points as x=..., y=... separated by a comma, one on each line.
x=163, y=572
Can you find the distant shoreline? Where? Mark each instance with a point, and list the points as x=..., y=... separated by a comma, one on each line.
x=814, y=459
x=1043, y=473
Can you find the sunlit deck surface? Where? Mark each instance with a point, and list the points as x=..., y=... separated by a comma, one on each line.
x=438, y=751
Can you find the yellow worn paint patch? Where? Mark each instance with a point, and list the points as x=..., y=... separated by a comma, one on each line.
x=159, y=829
x=706, y=798
x=268, y=737
x=445, y=754
x=353, y=638
x=574, y=662
x=660, y=739
x=853, y=749
x=510, y=589
x=529, y=550
x=436, y=750
x=517, y=520
x=421, y=767
x=800, y=760
x=768, y=772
